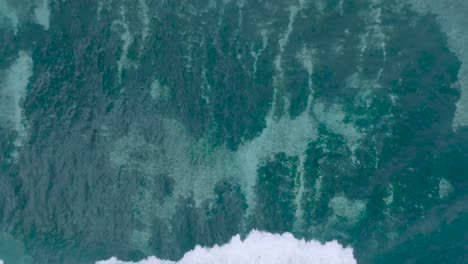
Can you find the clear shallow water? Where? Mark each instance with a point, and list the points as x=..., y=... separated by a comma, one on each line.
x=144, y=128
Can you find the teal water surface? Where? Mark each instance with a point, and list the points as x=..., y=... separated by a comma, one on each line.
x=147, y=127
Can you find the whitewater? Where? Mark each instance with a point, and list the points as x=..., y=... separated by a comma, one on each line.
x=260, y=248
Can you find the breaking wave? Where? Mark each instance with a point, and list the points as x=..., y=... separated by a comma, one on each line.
x=260, y=248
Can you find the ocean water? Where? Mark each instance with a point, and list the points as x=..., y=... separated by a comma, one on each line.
x=233, y=131
x=261, y=247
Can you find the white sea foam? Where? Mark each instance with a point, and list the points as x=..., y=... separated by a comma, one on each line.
x=374, y=36
x=42, y=14
x=126, y=36
x=282, y=42
x=12, y=92
x=445, y=188
x=159, y=91
x=145, y=19
x=260, y=248
x=389, y=198
x=257, y=54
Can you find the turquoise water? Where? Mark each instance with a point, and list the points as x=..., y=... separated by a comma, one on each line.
x=141, y=128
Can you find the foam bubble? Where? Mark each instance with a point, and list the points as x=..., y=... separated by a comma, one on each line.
x=260, y=247
x=445, y=188
x=389, y=199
